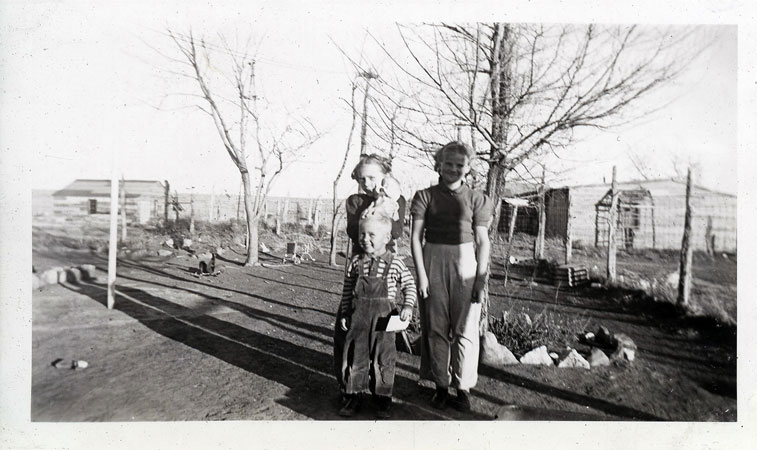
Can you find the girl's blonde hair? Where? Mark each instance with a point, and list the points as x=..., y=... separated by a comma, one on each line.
x=453, y=147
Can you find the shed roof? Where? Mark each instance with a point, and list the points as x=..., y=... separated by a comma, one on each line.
x=658, y=188
x=101, y=188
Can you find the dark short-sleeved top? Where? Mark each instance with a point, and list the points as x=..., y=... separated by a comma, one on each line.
x=450, y=216
x=355, y=205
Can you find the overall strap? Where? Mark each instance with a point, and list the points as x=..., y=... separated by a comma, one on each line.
x=388, y=265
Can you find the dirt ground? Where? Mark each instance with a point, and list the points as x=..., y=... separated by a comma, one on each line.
x=255, y=343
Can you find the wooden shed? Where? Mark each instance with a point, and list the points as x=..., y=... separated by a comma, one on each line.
x=650, y=214
x=145, y=199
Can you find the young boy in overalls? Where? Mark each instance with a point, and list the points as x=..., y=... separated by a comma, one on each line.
x=370, y=286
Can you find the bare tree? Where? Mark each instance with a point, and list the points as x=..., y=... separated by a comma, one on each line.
x=524, y=90
x=229, y=96
x=334, y=203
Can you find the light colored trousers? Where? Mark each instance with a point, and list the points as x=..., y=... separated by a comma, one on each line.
x=449, y=319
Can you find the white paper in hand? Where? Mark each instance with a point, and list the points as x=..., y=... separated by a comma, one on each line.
x=396, y=324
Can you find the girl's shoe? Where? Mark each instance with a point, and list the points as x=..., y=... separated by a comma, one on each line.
x=383, y=407
x=351, y=406
x=462, y=402
x=439, y=400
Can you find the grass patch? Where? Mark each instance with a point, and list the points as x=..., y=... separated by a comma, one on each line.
x=521, y=333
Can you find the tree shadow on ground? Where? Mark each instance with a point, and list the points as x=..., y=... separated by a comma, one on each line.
x=306, y=372
x=620, y=411
x=163, y=273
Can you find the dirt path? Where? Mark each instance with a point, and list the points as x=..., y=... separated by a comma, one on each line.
x=255, y=343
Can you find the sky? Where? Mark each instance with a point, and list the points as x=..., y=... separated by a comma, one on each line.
x=98, y=92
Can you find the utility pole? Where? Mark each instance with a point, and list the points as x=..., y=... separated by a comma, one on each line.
x=368, y=76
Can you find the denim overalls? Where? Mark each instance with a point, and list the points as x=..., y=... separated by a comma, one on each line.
x=369, y=355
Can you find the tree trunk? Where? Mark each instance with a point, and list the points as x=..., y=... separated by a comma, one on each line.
x=568, y=230
x=334, y=225
x=252, y=222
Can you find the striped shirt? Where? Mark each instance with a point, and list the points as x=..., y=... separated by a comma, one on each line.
x=398, y=277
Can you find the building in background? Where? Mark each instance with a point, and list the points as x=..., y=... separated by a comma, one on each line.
x=145, y=199
x=650, y=215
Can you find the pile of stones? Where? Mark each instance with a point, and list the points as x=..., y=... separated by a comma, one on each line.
x=619, y=346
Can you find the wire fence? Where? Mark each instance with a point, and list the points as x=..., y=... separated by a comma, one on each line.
x=646, y=217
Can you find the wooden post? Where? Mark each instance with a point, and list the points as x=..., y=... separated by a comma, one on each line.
x=286, y=211
x=510, y=233
x=211, y=216
x=684, y=273
x=611, y=241
x=176, y=204
x=709, y=238
x=239, y=200
x=112, y=244
x=278, y=217
x=123, y=209
x=568, y=231
x=167, y=201
x=310, y=212
x=316, y=217
x=191, y=214
x=539, y=247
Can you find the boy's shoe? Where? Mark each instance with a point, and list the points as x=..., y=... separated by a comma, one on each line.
x=351, y=406
x=462, y=402
x=439, y=400
x=383, y=407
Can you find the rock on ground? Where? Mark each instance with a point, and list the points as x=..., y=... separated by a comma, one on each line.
x=495, y=354
x=574, y=360
x=598, y=358
x=624, y=341
x=537, y=356
x=623, y=353
x=88, y=271
x=74, y=275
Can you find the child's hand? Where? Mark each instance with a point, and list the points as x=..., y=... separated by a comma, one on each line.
x=406, y=313
x=343, y=324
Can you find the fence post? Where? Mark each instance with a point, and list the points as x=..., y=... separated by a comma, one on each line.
x=278, y=217
x=191, y=214
x=684, y=273
x=568, y=231
x=167, y=194
x=112, y=244
x=310, y=212
x=539, y=247
x=611, y=241
x=510, y=232
x=123, y=209
x=176, y=204
x=316, y=217
x=211, y=216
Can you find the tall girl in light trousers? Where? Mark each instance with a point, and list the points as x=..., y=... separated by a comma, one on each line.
x=451, y=268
